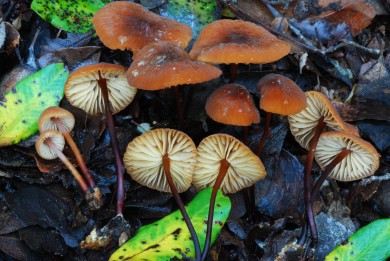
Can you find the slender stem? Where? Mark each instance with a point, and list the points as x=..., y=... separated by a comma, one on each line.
x=233, y=72
x=114, y=142
x=79, y=179
x=75, y=150
x=221, y=175
x=245, y=130
x=266, y=134
x=342, y=155
x=187, y=220
x=308, y=181
x=179, y=106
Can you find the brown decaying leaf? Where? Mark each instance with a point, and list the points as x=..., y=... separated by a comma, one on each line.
x=12, y=38
x=355, y=13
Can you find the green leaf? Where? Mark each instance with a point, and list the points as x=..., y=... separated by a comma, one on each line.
x=169, y=237
x=196, y=14
x=22, y=105
x=68, y=15
x=371, y=242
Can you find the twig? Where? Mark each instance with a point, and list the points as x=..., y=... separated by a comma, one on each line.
x=365, y=182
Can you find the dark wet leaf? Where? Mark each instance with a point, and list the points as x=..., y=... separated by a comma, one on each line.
x=334, y=68
x=16, y=248
x=35, y=205
x=196, y=14
x=373, y=86
x=70, y=16
x=12, y=39
x=322, y=30
x=362, y=110
x=9, y=222
x=377, y=131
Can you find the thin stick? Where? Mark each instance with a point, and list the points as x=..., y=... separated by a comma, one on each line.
x=266, y=133
x=187, y=220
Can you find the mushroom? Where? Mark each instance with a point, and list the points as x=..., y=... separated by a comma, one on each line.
x=224, y=163
x=103, y=89
x=162, y=65
x=235, y=41
x=233, y=104
x=56, y=118
x=164, y=159
x=49, y=145
x=306, y=127
x=278, y=94
x=125, y=25
x=344, y=157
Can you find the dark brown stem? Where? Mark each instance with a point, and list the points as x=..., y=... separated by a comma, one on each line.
x=342, y=155
x=76, y=151
x=114, y=142
x=245, y=130
x=233, y=72
x=76, y=175
x=179, y=107
x=221, y=175
x=266, y=133
x=308, y=180
x=187, y=220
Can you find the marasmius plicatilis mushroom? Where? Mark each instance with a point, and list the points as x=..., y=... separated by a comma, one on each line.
x=56, y=118
x=49, y=145
x=162, y=65
x=225, y=163
x=234, y=41
x=164, y=159
x=306, y=127
x=103, y=89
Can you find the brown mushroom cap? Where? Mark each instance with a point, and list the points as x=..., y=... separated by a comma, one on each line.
x=83, y=91
x=236, y=41
x=46, y=123
x=279, y=94
x=163, y=64
x=43, y=149
x=245, y=167
x=303, y=124
x=143, y=159
x=232, y=104
x=125, y=25
x=362, y=161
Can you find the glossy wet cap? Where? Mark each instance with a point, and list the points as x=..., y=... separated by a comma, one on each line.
x=43, y=149
x=245, y=167
x=129, y=26
x=236, y=41
x=163, y=64
x=304, y=123
x=144, y=159
x=362, y=161
x=232, y=104
x=65, y=117
x=280, y=95
x=83, y=91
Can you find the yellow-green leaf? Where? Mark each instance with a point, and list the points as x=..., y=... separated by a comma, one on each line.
x=169, y=237
x=22, y=105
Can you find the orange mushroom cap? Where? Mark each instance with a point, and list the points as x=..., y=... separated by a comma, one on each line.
x=125, y=25
x=232, y=104
x=280, y=95
x=163, y=64
x=234, y=41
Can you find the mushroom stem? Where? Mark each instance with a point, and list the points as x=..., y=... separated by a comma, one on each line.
x=179, y=106
x=221, y=175
x=79, y=179
x=114, y=142
x=75, y=150
x=233, y=72
x=187, y=220
x=308, y=181
x=342, y=155
x=266, y=134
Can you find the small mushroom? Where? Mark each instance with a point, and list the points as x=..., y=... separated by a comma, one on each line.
x=162, y=65
x=56, y=118
x=125, y=25
x=103, y=89
x=224, y=163
x=280, y=95
x=164, y=159
x=235, y=41
x=49, y=145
